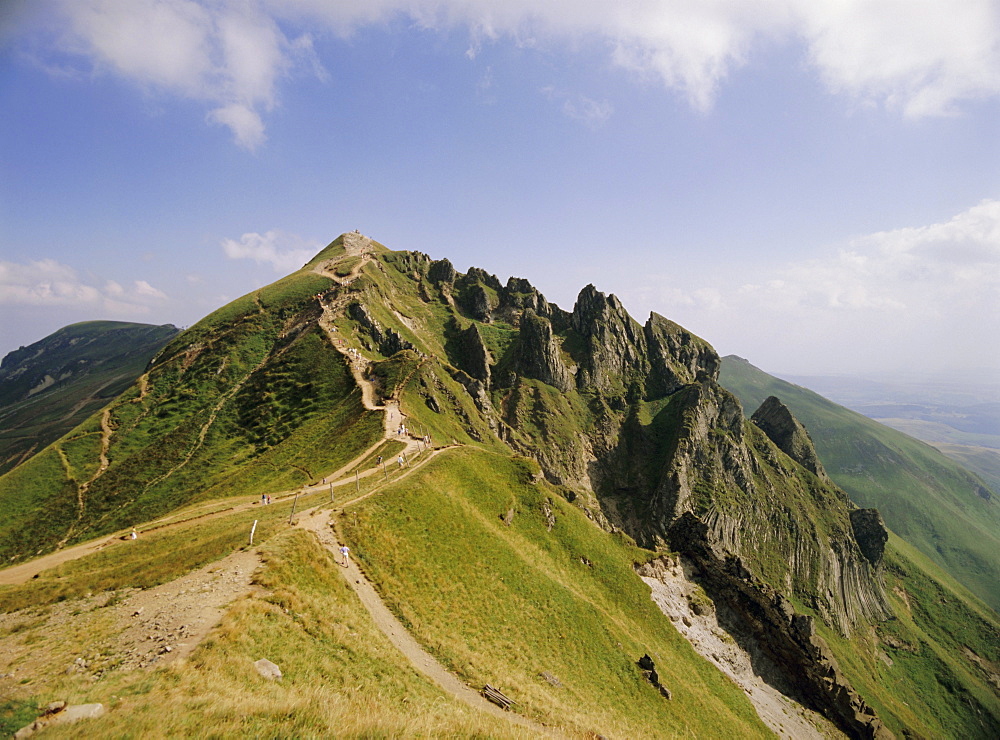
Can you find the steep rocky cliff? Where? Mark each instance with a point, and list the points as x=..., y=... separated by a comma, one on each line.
x=631, y=420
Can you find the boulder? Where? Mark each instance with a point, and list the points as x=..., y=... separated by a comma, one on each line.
x=267, y=669
x=58, y=713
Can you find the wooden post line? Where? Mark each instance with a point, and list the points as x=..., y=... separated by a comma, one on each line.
x=294, y=503
x=252, y=530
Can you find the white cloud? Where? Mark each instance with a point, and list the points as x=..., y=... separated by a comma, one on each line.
x=229, y=54
x=284, y=252
x=142, y=288
x=247, y=128
x=922, y=58
x=591, y=112
x=905, y=296
x=47, y=282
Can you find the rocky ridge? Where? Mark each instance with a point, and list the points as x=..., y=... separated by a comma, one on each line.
x=636, y=422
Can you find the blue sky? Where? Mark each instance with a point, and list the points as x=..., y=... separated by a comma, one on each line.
x=812, y=185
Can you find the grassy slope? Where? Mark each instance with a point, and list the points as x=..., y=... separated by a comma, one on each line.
x=251, y=399
x=916, y=669
x=983, y=461
x=341, y=676
x=502, y=605
x=924, y=497
x=113, y=354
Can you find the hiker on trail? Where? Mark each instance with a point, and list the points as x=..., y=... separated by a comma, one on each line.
x=379, y=461
x=268, y=498
x=345, y=551
x=400, y=460
x=263, y=498
x=134, y=535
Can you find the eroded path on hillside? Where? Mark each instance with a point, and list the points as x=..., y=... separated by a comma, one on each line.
x=393, y=419
x=137, y=628
x=23, y=572
x=322, y=524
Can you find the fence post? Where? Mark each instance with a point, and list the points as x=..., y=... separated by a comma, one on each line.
x=294, y=504
x=252, y=530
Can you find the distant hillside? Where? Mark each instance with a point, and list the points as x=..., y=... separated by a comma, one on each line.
x=960, y=414
x=49, y=387
x=944, y=510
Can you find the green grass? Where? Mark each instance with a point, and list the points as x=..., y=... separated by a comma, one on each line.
x=15, y=714
x=923, y=496
x=502, y=604
x=341, y=676
x=106, y=357
x=260, y=402
x=932, y=687
x=155, y=558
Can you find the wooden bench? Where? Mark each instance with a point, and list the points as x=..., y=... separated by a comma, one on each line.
x=497, y=697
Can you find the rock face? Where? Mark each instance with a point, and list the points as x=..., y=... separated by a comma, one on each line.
x=388, y=341
x=870, y=533
x=790, y=643
x=777, y=422
x=638, y=423
x=476, y=358
x=538, y=354
x=648, y=669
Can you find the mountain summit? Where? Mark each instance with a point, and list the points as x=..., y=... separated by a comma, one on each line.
x=366, y=354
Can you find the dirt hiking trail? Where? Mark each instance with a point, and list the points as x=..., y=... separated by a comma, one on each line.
x=320, y=523
x=393, y=420
x=170, y=620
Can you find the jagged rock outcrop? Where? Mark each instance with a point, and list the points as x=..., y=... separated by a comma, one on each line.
x=788, y=640
x=871, y=534
x=677, y=357
x=777, y=422
x=614, y=354
x=441, y=271
x=796, y=529
x=478, y=293
x=388, y=341
x=538, y=354
x=648, y=668
x=474, y=356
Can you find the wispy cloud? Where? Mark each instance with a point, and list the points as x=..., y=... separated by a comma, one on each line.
x=591, y=112
x=233, y=55
x=47, y=282
x=283, y=252
x=930, y=269
x=913, y=294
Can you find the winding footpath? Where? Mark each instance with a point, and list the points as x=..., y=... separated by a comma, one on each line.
x=321, y=522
